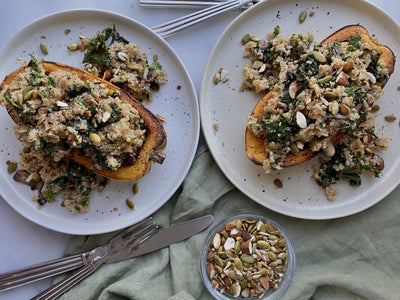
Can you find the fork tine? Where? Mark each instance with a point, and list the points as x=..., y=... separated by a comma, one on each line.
x=143, y=237
x=128, y=230
x=136, y=234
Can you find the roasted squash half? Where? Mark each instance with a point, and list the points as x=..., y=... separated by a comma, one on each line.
x=254, y=145
x=150, y=151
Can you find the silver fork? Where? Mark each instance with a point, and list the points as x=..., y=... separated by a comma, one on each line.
x=168, y=28
x=124, y=241
x=119, y=248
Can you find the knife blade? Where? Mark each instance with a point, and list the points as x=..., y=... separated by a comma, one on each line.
x=166, y=236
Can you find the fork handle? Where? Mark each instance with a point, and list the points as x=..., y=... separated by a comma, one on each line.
x=41, y=271
x=62, y=286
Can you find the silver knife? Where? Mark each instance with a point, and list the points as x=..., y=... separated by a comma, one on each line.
x=148, y=239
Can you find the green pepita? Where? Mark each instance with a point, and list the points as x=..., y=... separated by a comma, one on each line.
x=310, y=37
x=302, y=16
x=272, y=256
x=36, y=177
x=246, y=258
x=218, y=260
x=344, y=109
x=239, y=224
x=130, y=203
x=237, y=247
x=44, y=49
x=238, y=264
x=232, y=275
x=335, y=108
x=330, y=95
x=326, y=79
x=135, y=188
x=12, y=167
x=321, y=58
x=257, y=64
x=375, y=108
x=263, y=272
x=294, y=149
x=27, y=93
x=95, y=138
x=245, y=39
x=281, y=242
x=263, y=244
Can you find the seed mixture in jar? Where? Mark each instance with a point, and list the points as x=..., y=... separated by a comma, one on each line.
x=247, y=258
x=111, y=57
x=319, y=91
x=58, y=113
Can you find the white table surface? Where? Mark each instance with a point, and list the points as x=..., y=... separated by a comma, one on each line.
x=24, y=243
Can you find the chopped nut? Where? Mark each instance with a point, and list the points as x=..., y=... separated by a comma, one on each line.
x=390, y=118
x=278, y=183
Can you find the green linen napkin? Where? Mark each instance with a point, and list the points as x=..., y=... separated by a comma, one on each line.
x=355, y=257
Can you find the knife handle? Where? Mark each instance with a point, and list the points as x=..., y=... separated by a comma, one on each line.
x=64, y=285
x=41, y=271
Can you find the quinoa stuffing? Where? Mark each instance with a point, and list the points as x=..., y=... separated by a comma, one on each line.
x=59, y=112
x=319, y=91
x=110, y=56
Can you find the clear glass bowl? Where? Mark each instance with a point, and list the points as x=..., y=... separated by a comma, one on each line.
x=286, y=278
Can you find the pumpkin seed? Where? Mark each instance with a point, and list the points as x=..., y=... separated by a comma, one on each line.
x=27, y=93
x=344, y=109
x=239, y=224
x=95, y=138
x=12, y=167
x=263, y=244
x=245, y=39
x=281, y=242
x=310, y=37
x=375, y=108
x=237, y=248
x=302, y=16
x=326, y=79
x=321, y=58
x=335, y=108
x=246, y=258
x=44, y=49
x=294, y=149
x=330, y=95
x=238, y=264
x=257, y=64
x=135, y=188
x=73, y=47
x=272, y=256
x=130, y=203
x=218, y=260
x=217, y=77
x=36, y=177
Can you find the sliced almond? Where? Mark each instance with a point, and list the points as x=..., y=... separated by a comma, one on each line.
x=301, y=119
x=293, y=88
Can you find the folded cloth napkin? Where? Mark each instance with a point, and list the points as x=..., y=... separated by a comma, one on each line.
x=355, y=257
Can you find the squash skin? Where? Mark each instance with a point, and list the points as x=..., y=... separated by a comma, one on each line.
x=254, y=145
x=151, y=150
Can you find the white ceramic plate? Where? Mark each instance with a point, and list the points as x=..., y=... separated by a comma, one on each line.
x=225, y=105
x=176, y=101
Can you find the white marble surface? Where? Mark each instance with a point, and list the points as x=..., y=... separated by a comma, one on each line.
x=22, y=242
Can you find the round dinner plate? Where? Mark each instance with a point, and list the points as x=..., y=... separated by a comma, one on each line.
x=224, y=109
x=176, y=102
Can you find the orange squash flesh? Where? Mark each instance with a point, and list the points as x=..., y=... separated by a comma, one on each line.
x=254, y=145
x=151, y=150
